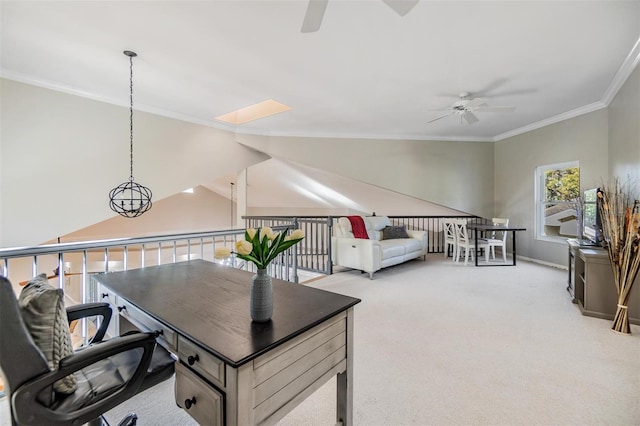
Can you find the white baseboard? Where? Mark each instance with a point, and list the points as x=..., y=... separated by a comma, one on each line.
x=542, y=262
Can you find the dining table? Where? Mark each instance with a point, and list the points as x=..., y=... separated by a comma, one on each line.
x=484, y=228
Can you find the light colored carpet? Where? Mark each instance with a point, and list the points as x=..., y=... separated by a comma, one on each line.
x=438, y=343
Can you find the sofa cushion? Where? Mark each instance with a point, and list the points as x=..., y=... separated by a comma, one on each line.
x=392, y=249
x=42, y=309
x=378, y=223
x=393, y=232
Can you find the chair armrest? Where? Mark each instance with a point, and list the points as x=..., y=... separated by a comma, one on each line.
x=89, y=310
x=25, y=397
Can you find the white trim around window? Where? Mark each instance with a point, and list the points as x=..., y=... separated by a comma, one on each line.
x=541, y=202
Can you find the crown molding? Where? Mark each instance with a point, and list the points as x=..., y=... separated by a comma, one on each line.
x=625, y=70
x=394, y=137
x=551, y=120
x=45, y=84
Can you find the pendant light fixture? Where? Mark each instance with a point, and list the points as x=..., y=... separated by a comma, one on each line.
x=130, y=199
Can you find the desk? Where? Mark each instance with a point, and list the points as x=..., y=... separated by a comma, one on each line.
x=232, y=371
x=481, y=227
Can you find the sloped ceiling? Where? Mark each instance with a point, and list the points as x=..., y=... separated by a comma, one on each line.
x=285, y=185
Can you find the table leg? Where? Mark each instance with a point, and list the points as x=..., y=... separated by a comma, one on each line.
x=344, y=381
x=475, y=241
x=514, y=248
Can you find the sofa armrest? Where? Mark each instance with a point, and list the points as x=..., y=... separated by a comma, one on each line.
x=419, y=235
x=356, y=253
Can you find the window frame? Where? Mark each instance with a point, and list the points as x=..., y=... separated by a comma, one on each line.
x=540, y=200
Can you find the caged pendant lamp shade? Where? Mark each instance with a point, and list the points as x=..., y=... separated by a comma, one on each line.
x=130, y=199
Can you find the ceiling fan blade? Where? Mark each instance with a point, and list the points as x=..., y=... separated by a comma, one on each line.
x=476, y=102
x=439, y=117
x=496, y=108
x=313, y=16
x=470, y=118
x=401, y=7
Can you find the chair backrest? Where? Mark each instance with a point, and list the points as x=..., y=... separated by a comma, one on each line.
x=462, y=235
x=20, y=359
x=501, y=222
x=449, y=228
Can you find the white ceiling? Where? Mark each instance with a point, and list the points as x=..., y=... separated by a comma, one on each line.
x=368, y=72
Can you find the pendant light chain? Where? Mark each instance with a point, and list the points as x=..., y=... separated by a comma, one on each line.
x=131, y=116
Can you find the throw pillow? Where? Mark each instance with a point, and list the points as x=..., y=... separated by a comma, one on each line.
x=44, y=314
x=393, y=232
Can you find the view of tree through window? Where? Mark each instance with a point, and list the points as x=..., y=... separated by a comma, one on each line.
x=558, y=200
x=563, y=184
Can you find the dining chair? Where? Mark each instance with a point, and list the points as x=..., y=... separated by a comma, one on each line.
x=449, y=228
x=467, y=243
x=497, y=239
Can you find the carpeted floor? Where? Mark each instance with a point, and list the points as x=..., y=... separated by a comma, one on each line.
x=438, y=343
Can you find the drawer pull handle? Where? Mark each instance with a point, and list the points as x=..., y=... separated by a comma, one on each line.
x=188, y=403
x=193, y=359
x=121, y=308
x=105, y=295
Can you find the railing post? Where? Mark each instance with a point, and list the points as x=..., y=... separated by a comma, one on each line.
x=295, y=255
x=329, y=268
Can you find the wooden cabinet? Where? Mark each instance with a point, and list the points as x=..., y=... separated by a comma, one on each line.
x=592, y=287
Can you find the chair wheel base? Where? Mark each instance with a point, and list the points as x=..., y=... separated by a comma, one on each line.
x=130, y=419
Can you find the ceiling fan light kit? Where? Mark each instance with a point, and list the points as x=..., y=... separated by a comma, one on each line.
x=130, y=199
x=466, y=106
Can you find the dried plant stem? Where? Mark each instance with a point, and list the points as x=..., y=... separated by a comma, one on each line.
x=621, y=229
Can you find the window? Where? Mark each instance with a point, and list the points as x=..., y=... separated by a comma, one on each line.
x=557, y=201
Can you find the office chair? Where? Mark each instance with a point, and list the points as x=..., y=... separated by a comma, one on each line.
x=106, y=373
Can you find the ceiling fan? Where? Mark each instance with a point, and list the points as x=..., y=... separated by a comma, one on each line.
x=466, y=106
x=315, y=12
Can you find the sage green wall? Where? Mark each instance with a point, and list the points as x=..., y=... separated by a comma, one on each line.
x=583, y=139
x=624, y=132
x=458, y=175
x=62, y=154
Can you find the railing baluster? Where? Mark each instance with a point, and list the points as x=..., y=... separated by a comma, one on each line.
x=34, y=266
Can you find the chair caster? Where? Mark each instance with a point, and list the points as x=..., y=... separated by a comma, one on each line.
x=130, y=419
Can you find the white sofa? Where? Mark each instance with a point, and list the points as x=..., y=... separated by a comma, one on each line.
x=375, y=253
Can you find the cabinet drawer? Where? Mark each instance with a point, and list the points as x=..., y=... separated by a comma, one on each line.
x=196, y=397
x=144, y=322
x=201, y=361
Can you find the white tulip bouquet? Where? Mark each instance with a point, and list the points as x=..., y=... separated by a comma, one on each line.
x=262, y=245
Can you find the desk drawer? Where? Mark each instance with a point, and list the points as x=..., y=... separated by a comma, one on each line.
x=138, y=318
x=107, y=296
x=197, y=398
x=198, y=359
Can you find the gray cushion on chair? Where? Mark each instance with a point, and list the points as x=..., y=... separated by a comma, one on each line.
x=44, y=314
